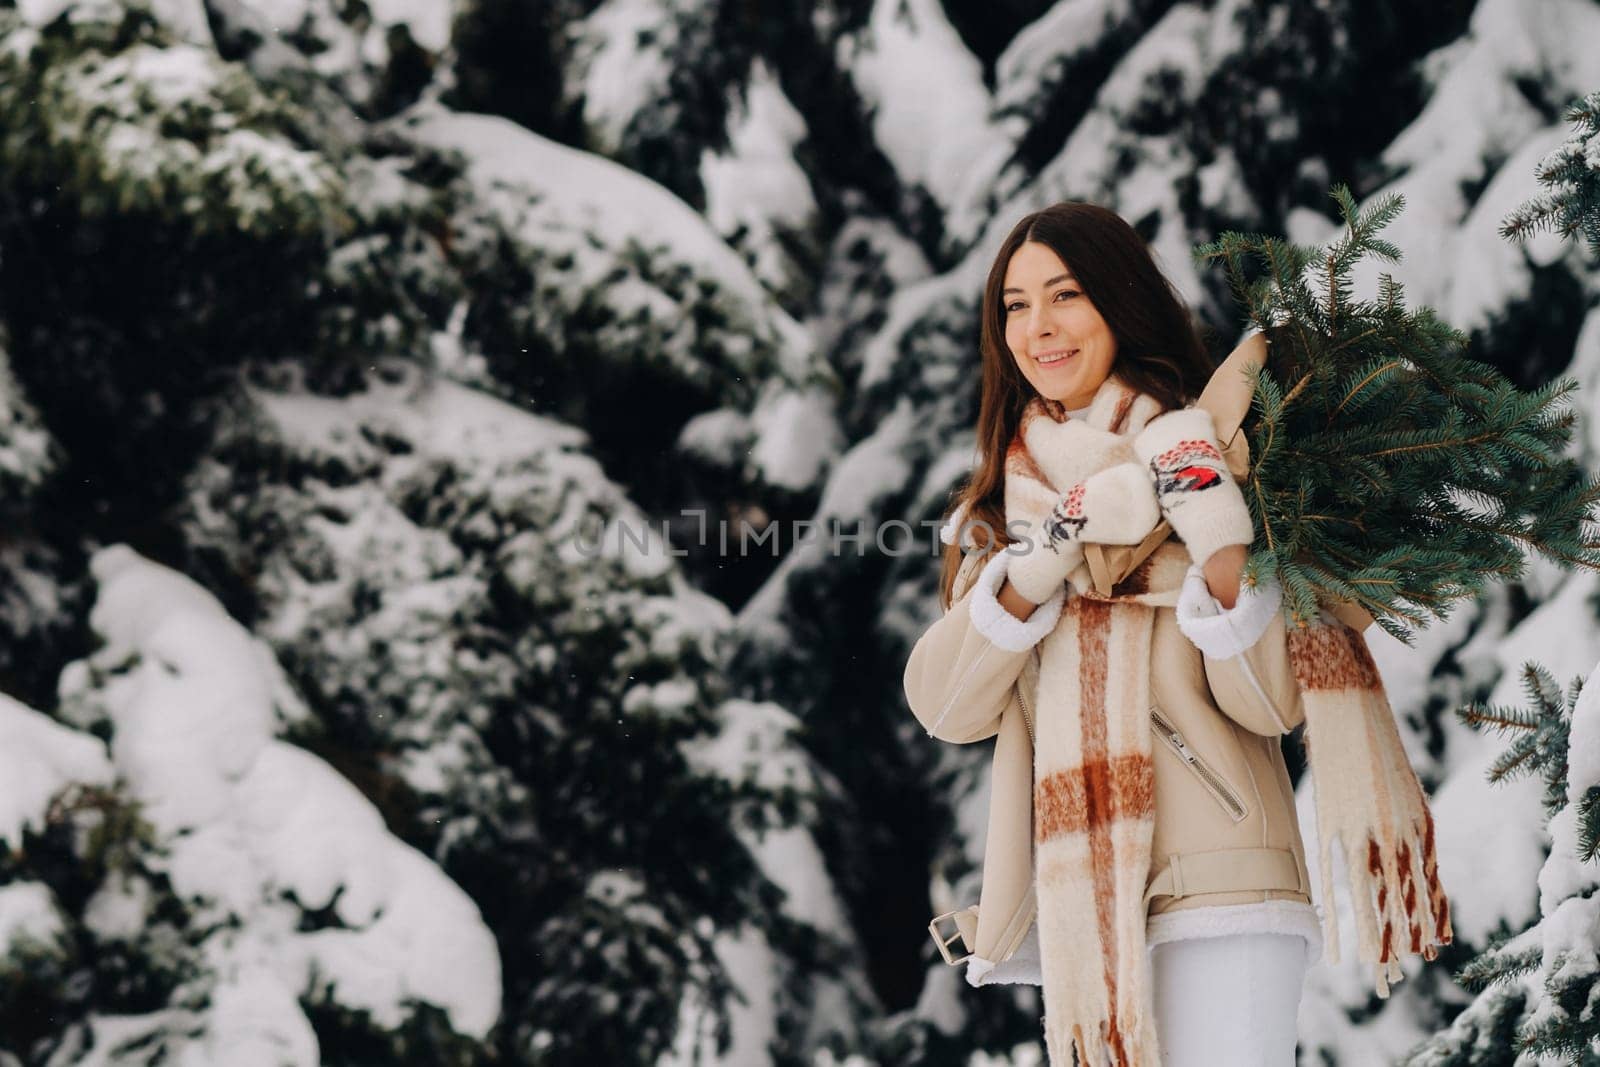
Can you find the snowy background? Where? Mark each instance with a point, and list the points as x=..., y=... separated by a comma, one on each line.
x=331, y=329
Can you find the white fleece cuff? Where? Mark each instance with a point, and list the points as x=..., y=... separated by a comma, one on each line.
x=1219, y=632
x=1001, y=627
x=1020, y=968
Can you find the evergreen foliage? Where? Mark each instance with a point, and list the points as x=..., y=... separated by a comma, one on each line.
x=1388, y=469
x=552, y=728
x=136, y=120
x=1572, y=173
x=92, y=845
x=555, y=733
x=28, y=454
x=1534, y=987
x=1541, y=736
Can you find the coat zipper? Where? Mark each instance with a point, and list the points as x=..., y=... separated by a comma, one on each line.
x=1208, y=777
x=1027, y=715
x=1033, y=903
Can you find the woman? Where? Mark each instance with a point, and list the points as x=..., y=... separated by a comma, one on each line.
x=1165, y=903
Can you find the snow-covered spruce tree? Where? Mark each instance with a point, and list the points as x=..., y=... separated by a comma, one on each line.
x=1571, y=173
x=536, y=700
x=372, y=58
x=593, y=293
x=74, y=840
x=181, y=885
x=564, y=283
x=1535, y=986
x=644, y=889
x=167, y=217
x=35, y=612
x=1387, y=469
x=156, y=197
x=654, y=82
x=1536, y=989
x=163, y=217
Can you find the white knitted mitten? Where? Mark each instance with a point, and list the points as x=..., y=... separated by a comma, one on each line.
x=1197, y=494
x=1115, y=506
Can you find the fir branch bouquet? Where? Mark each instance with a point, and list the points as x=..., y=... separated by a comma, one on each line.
x=1388, y=470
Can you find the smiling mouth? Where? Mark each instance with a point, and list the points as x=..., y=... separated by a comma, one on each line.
x=1051, y=359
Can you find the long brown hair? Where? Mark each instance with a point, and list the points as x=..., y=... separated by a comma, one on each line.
x=1159, y=351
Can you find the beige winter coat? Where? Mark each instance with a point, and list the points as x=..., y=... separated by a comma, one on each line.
x=1225, y=825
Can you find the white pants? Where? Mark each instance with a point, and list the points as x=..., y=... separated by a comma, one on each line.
x=1228, y=1000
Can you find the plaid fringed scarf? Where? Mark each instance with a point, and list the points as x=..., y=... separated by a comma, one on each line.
x=1094, y=779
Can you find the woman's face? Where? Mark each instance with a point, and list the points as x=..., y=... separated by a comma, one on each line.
x=1055, y=334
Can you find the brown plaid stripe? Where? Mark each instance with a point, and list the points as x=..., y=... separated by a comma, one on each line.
x=1071, y=801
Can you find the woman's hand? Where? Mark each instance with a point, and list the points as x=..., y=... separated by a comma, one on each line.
x=1198, y=495
x=1222, y=570
x=1114, y=506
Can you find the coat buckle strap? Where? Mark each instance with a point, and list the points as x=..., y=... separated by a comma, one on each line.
x=943, y=942
x=1226, y=871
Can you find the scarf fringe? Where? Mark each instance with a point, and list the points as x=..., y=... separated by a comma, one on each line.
x=1414, y=919
x=1077, y=1016
x=1369, y=799
x=1132, y=1046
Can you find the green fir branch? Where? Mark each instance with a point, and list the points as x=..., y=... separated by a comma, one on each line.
x=1496, y=965
x=1373, y=436
x=1571, y=176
